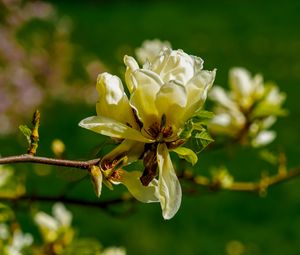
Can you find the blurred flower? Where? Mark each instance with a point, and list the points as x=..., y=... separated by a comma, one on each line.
x=32, y=66
x=13, y=241
x=114, y=251
x=19, y=242
x=150, y=49
x=164, y=94
x=56, y=228
x=248, y=109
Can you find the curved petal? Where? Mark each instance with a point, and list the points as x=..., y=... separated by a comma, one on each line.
x=113, y=100
x=110, y=127
x=263, y=138
x=219, y=95
x=240, y=81
x=175, y=65
x=150, y=49
x=62, y=215
x=143, y=98
x=131, y=66
x=168, y=183
x=145, y=194
x=171, y=101
x=197, y=89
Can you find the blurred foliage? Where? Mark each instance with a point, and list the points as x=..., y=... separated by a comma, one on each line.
x=264, y=37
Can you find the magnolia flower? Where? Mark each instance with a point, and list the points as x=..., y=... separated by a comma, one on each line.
x=19, y=242
x=52, y=227
x=248, y=109
x=164, y=94
x=150, y=49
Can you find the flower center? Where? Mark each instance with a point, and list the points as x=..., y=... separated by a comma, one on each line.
x=161, y=131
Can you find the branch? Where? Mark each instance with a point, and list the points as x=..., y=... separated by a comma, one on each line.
x=259, y=186
x=104, y=205
x=26, y=158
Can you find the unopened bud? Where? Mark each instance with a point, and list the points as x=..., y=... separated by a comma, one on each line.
x=96, y=178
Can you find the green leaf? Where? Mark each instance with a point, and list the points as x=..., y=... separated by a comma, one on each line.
x=265, y=109
x=269, y=157
x=187, y=131
x=26, y=132
x=203, y=114
x=203, y=139
x=187, y=154
x=198, y=126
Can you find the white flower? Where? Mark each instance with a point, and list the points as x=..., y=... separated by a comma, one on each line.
x=247, y=109
x=164, y=94
x=19, y=242
x=51, y=226
x=150, y=49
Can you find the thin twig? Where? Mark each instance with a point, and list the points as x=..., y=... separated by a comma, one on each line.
x=26, y=158
x=258, y=186
x=40, y=198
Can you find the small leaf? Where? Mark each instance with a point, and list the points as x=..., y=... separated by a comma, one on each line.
x=203, y=117
x=269, y=157
x=203, y=139
x=187, y=131
x=26, y=132
x=204, y=135
x=265, y=109
x=203, y=114
x=187, y=154
x=198, y=126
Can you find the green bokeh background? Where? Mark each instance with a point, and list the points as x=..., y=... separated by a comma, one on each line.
x=263, y=36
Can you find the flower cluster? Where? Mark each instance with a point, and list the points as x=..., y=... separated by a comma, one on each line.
x=248, y=109
x=14, y=242
x=164, y=94
x=58, y=235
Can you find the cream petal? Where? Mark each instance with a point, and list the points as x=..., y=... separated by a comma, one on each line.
x=143, y=98
x=113, y=101
x=275, y=97
x=131, y=66
x=150, y=49
x=60, y=213
x=112, y=128
x=174, y=65
x=44, y=220
x=145, y=194
x=240, y=81
x=168, y=184
x=171, y=101
x=197, y=89
x=219, y=95
x=222, y=119
x=263, y=138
